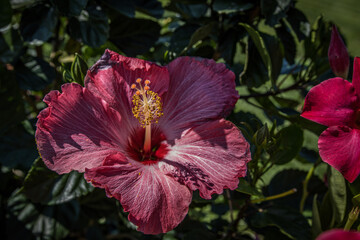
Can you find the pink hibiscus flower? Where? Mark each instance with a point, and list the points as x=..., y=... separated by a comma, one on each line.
x=149, y=135
x=339, y=234
x=336, y=103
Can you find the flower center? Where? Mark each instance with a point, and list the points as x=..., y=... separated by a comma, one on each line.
x=147, y=109
x=157, y=152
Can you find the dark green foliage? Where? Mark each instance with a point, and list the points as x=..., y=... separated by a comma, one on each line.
x=38, y=23
x=133, y=36
x=276, y=55
x=91, y=27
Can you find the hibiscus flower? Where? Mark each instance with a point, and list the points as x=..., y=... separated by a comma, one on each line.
x=339, y=234
x=336, y=103
x=149, y=135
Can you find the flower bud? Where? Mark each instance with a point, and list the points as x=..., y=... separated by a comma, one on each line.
x=338, y=55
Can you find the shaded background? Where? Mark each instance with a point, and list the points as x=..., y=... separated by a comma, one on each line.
x=277, y=50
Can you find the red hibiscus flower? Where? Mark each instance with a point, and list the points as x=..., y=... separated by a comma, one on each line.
x=149, y=135
x=339, y=234
x=336, y=103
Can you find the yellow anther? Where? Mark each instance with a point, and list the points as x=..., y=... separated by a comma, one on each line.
x=133, y=86
x=147, y=88
x=147, y=82
x=147, y=107
x=138, y=80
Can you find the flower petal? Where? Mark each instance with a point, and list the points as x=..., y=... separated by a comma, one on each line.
x=77, y=130
x=112, y=76
x=339, y=147
x=200, y=89
x=156, y=203
x=330, y=103
x=356, y=75
x=209, y=157
x=339, y=234
x=338, y=55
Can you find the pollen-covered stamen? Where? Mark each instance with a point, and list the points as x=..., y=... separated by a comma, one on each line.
x=147, y=109
x=147, y=104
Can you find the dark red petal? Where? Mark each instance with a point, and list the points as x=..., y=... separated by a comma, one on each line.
x=339, y=234
x=339, y=146
x=77, y=130
x=209, y=157
x=356, y=75
x=112, y=76
x=156, y=203
x=338, y=55
x=199, y=90
x=332, y=102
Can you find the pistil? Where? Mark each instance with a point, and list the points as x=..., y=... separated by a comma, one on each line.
x=147, y=109
x=147, y=142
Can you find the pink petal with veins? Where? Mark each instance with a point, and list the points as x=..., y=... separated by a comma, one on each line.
x=200, y=90
x=209, y=157
x=112, y=76
x=77, y=130
x=156, y=203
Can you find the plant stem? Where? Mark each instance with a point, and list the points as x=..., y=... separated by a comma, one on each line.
x=353, y=216
x=230, y=205
x=281, y=195
x=295, y=86
x=305, y=185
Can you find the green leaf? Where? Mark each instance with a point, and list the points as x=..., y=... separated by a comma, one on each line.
x=231, y=6
x=17, y=147
x=70, y=8
x=356, y=200
x=337, y=189
x=261, y=47
x=227, y=44
x=201, y=33
x=91, y=27
x=11, y=103
x=38, y=23
x=180, y=38
x=9, y=50
x=299, y=23
x=288, y=179
x=45, y=222
x=327, y=215
x=44, y=186
x=33, y=73
x=274, y=10
x=150, y=7
x=261, y=136
x=355, y=186
x=316, y=220
x=124, y=7
x=191, y=10
x=288, y=42
x=290, y=142
x=245, y=187
x=79, y=69
x=133, y=36
x=5, y=13
x=289, y=221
